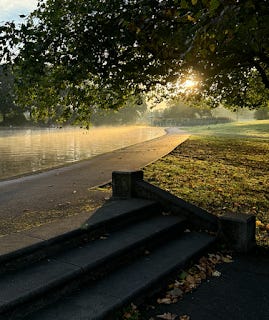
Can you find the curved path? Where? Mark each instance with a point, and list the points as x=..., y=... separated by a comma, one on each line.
x=42, y=191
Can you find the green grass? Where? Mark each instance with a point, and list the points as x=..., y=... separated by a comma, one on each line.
x=253, y=129
x=220, y=174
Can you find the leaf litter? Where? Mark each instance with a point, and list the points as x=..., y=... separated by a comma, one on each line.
x=190, y=279
x=186, y=281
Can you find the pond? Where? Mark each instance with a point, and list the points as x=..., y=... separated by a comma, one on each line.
x=24, y=151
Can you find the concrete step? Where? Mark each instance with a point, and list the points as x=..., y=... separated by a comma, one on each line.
x=45, y=281
x=111, y=216
x=130, y=283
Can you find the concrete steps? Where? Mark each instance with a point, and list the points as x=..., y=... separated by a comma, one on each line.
x=135, y=248
x=113, y=215
x=127, y=284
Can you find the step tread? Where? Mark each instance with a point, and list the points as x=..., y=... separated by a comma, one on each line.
x=117, y=208
x=114, y=210
x=123, y=285
x=24, y=283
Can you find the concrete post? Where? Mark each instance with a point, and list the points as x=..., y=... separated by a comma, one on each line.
x=123, y=183
x=238, y=231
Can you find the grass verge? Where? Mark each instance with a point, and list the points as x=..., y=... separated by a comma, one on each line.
x=219, y=174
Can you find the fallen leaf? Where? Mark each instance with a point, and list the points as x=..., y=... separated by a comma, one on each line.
x=171, y=286
x=167, y=316
x=190, y=279
x=184, y=317
x=259, y=224
x=133, y=306
x=127, y=315
x=165, y=300
x=166, y=213
x=227, y=259
x=216, y=273
x=202, y=275
x=175, y=293
x=187, y=230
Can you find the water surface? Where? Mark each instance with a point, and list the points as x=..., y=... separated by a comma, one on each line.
x=30, y=150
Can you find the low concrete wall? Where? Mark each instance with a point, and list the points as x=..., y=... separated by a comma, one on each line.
x=238, y=231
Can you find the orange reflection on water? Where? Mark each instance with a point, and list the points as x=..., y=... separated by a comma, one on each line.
x=30, y=150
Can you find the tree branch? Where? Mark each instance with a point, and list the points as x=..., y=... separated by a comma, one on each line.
x=262, y=73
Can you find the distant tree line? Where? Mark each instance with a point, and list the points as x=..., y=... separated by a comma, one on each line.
x=181, y=114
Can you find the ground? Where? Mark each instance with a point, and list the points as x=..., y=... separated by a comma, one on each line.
x=220, y=175
x=223, y=168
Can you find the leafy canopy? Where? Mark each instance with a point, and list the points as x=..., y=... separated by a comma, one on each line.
x=76, y=56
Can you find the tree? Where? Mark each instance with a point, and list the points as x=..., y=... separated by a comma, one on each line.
x=6, y=92
x=10, y=112
x=180, y=111
x=232, y=52
x=87, y=54
x=8, y=108
x=130, y=113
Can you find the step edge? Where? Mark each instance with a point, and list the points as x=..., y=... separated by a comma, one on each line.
x=84, y=270
x=149, y=286
x=45, y=244
x=138, y=295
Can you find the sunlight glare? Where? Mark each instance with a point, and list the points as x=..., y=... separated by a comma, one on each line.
x=189, y=83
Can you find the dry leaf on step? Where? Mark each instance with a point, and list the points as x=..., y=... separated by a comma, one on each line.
x=167, y=316
x=165, y=301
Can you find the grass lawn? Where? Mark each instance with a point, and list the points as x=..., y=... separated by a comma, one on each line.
x=222, y=168
x=247, y=129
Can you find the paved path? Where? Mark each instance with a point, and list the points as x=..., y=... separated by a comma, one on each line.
x=240, y=293
x=42, y=191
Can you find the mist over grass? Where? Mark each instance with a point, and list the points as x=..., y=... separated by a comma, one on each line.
x=248, y=129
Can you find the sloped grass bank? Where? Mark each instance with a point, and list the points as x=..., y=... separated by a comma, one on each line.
x=219, y=174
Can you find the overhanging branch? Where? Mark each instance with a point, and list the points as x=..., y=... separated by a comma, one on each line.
x=262, y=73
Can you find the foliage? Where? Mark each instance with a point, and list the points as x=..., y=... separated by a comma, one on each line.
x=131, y=112
x=80, y=55
x=8, y=109
x=179, y=110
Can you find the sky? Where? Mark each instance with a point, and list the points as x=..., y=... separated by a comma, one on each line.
x=11, y=9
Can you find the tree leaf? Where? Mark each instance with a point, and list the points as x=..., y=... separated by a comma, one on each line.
x=212, y=47
x=213, y=6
